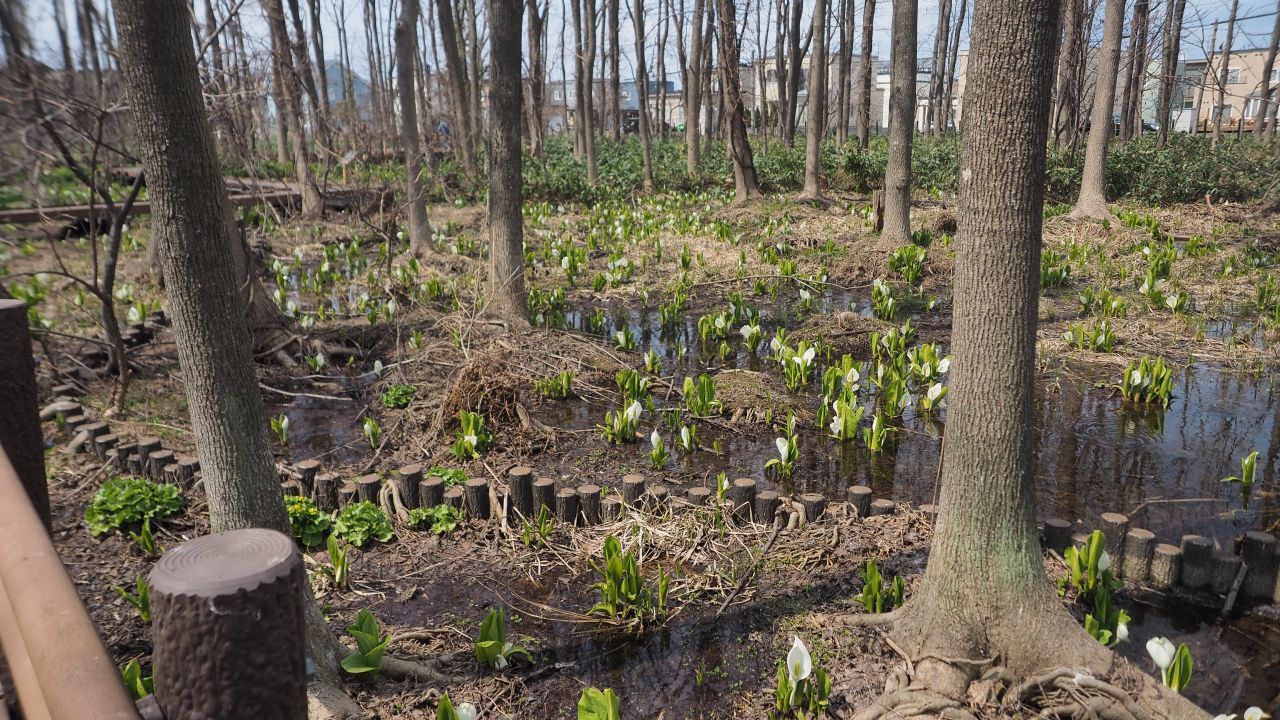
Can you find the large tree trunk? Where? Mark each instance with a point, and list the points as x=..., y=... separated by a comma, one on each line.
x=506, y=230
x=744, y=167
x=189, y=204
x=1169, y=69
x=537, y=75
x=291, y=91
x=1092, y=202
x=902, y=114
x=463, y=136
x=415, y=196
x=865, y=74
x=642, y=94
x=817, y=110
x=693, y=90
x=1224, y=72
x=1267, y=116
x=847, y=8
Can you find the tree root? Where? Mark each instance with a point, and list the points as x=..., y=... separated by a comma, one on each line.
x=401, y=669
x=326, y=701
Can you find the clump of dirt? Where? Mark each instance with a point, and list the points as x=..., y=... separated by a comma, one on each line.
x=752, y=397
x=486, y=384
x=847, y=333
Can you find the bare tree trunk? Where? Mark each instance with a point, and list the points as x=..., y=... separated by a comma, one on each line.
x=579, y=80
x=477, y=71
x=863, y=88
x=1131, y=104
x=321, y=64
x=847, y=8
x=817, y=110
x=615, y=71
x=506, y=224
x=1169, y=69
x=1267, y=117
x=1200, y=87
x=1092, y=202
x=1224, y=73
x=311, y=202
x=795, y=67
x=693, y=90
x=780, y=68
x=537, y=75
x=189, y=208
x=642, y=94
x=1066, y=100
x=708, y=53
x=902, y=111
x=282, y=124
x=744, y=168
x=406, y=51
x=463, y=135
x=663, y=28
x=939, y=78
x=953, y=56
x=306, y=76
x=586, y=103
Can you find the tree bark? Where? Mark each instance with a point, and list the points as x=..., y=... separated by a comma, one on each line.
x=586, y=103
x=615, y=71
x=902, y=111
x=1092, y=202
x=642, y=95
x=1224, y=73
x=693, y=91
x=1066, y=104
x=816, y=113
x=1131, y=104
x=744, y=168
x=463, y=136
x=189, y=204
x=415, y=196
x=1267, y=116
x=938, y=79
x=865, y=73
x=1169, y=69
x=795, y=68
x=953, y=57
x=507, y=299
x=845, y=67
x=291, y=92
x=537, y=75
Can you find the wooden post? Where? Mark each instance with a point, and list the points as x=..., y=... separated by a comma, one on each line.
x=860, y=497
x=1057, y=534
x=407, y=479
x=697, y=495
x=1259, y=553
x=632, y=489
x=1197, y=562
x=1224, y=565
x=742, y=493
x=19, y=413
x=431, y=491
x=187, y=469
x=228, y=630
x=1114, y=527
x=877, y=210
x=454, y=498
x=1139, y=544
x=883, y=507
x=766, y=508
x=1166, y=566
x=589, y=501
x=307, y=471
x=658, y=497
x=156, y=462
x=566, y=506
x=476, y=499
x=103, y=444
x=544, y=495
x=611, y=508
x=367, y=487
x=327, y=486
x=814, y=505
x=520, y=484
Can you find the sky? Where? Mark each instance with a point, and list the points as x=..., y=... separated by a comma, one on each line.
x=1200, y=15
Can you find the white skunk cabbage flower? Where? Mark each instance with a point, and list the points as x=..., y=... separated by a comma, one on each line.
x=784, y=450
x=1104, y=563
x=655, y=439
x=1161, y=651
x=465, y=711
x=799, y=663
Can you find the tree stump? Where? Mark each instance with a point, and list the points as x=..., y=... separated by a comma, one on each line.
x=347, y=494
x=883, y=507
x=1139, y=544
x=698, y=495
x=156, y=462
x=860, y=497
x=148, y=445
x=1197, y=562
x=476, y=498
x=121, y=459
x=658, y=496
x=431, y=491
x=766, y=506
x=814, y=505
x=90, y=433
x=406, y=480
x=103, y=443
x=367, y=487
x=544, y=495
x=520, y=484
x=742, y=493
x=589, y=500
x=307, y=471
x=1166, y=566
x=1259, y=551
x=1057, y=534
x=327, y=492
x=632, y=489
x=228, y=629
x=66, y=391
x=454, y=498
x=930, y=511
x=1225, y=566
x=567, y=506
x=611, y=508
x=877, y=210
x=187, y=469
x=1114, y=526
x=171, y=475
x=73, y=422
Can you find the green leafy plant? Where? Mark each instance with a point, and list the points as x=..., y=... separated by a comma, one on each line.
x=1089, y=566
x=140, y=599
x=370, y=645
x=1054, y=269
x=1248, y=473
x=658, y=455
x=398, y=396
x=624, y=593
x=441, y=519
x=126, y=500
x=535, y=531
x=803, y=690
x=624, y=339
x=847, y=418
x=360, y=522
x=1107, y=624
x=492, y=647
x=878, y=437
x=909, y=261
x=452, y=477
x=620, y=425
x=1147, y=381
x=372, y=432
x=797, y=364
x=471, y=438
x=555, y=386
x=1103, y=303
x=145, y=539
x=1098, y=337
x=689, y=438
x=280, y=426
x=339, y=563
x=700, y=396
x=446, y=711
x=875, y=597
x=883, y=305
x=595, y=704
x=310, y=525
x=785, y=463
x=138, y=685
x=632, y=385
x=1175, y=664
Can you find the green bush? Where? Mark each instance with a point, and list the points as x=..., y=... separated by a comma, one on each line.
x=124, y=501
x=358, y=523
x=310, y=526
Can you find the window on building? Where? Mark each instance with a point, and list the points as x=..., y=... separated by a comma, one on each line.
x=556, y=95
x=1251, y=108
x=1226, y=113
x=1275, y=75
x=1188, y=103
x=1233, y=76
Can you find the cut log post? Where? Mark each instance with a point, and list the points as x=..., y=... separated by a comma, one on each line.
x=520, y=484
x=146, y=446
x=156, y=462
x=632, y=489
x=1166, y=566
x=327, y=492
x=68, y=390
x=120, y=460
x=104, y=443
x=476, y=498
x=291, y=488
x=1057, y=534
x=210, y=660
x=367, y=487
x=697, y=495
x=1259, y=552
x=883, y=507
x=589, y=499
x=1114, y=526
x=877, y=210
x=348, y=494
x=814, y=505
x=1225, y=567
x=431, y=491
x=930, y=511
x=307, y=471
x=860, y=497
x=567, y=506
x=766, y=508
x=406, y=480
x=1139, y=544
x=1197, y=562
x=742, y=493
x=187, y=468
x=454, y=498
x=171, y=476
x=90, y=432
x=73, y=423
x=611, y=508
x=544, y=495
x=658, y=496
